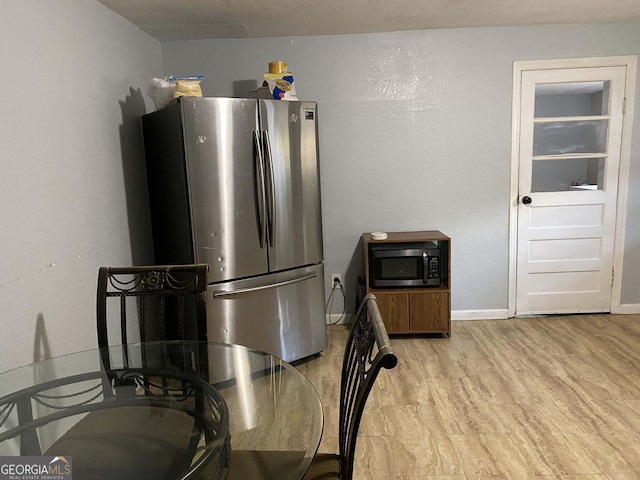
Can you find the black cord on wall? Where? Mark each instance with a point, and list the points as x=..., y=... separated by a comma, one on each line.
x=337, y=285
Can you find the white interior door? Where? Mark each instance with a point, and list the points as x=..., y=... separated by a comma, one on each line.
x=570, y=133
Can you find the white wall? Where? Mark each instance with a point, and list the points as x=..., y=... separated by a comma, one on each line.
x=72, y=193
x=415, y=134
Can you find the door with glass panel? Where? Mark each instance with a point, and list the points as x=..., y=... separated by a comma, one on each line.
x=569, y=158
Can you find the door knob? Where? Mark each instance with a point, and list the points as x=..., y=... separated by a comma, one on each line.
x=526, y=200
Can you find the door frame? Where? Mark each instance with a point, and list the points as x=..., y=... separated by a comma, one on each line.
x=628, y=61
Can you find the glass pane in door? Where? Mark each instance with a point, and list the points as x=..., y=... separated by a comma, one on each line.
x=569, y=137
x=573, y=99
x=567, y=174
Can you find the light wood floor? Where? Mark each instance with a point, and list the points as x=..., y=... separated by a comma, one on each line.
x=552, y=398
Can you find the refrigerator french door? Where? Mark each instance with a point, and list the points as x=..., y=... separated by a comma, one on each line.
x=234, y=183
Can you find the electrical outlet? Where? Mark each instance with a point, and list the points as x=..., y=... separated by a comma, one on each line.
x=336, y=277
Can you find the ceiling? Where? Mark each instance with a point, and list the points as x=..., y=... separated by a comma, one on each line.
x=206, y=19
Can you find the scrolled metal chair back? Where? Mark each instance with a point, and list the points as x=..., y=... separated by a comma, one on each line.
x=169, y=299
x=368, y=349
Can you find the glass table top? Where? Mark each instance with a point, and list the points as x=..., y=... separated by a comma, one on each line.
x=163, y=410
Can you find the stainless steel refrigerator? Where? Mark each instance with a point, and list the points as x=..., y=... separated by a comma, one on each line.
x=235, y=183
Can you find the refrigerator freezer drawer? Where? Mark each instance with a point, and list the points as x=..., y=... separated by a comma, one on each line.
x=280, y=313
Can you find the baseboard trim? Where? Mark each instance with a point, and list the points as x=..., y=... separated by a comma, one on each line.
x=334, y=318
x=489, y=314
x=626, y=309
x=503, y=314
x=495, y=314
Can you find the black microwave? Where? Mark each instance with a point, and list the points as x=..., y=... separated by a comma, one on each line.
x=399, y=265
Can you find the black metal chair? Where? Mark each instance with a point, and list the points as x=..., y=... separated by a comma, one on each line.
x=367, y=351
x=360, y=369
x=170, y=301
x=163, y=303
x=130, y=436
x=166, y=302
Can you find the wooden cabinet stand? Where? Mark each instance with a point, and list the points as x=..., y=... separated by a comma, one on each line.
x=417, y=309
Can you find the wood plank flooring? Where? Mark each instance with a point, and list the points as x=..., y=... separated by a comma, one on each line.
x=553, y=398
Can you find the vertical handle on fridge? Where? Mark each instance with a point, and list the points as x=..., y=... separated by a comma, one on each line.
x=271, y=201
x=260, y=189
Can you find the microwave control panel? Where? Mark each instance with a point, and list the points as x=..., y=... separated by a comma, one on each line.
x=434, y=267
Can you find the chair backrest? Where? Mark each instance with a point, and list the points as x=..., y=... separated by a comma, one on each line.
x=167, y=301
x=359, y=371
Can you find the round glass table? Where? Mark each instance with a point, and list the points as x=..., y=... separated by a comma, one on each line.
x=161, y=410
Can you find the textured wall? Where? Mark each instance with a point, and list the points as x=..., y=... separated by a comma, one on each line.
x=71, y=196
x=415, y=133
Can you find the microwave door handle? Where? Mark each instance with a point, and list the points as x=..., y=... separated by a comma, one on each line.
x=425, y=267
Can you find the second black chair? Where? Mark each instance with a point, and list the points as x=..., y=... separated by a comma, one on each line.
x=367, y=351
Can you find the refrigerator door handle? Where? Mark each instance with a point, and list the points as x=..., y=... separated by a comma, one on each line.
x=264, y=287
x=260, y=188
x=271, y=187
